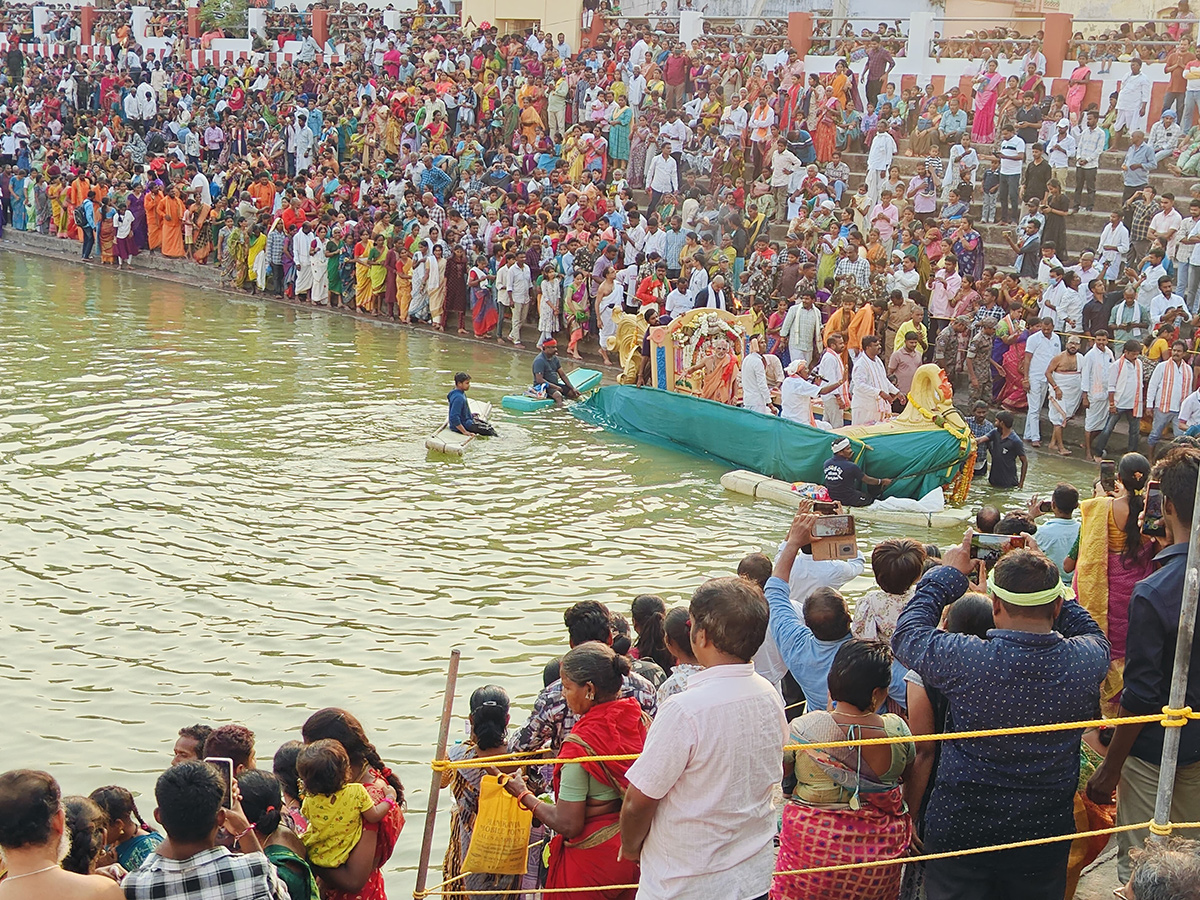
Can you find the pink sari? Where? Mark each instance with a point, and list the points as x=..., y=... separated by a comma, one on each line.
x=1076, y=92
x=983, y=128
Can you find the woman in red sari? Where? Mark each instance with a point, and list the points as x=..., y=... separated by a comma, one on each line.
x=360, y=878
x=586, y=816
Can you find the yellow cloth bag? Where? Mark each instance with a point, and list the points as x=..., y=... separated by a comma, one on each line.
x=500, y=838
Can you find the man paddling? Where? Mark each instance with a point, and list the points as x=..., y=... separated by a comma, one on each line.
x=461, y=418
x=548, y=376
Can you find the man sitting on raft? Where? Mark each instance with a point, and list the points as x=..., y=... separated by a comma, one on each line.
x=548, y=378
x=461, y=418
x=842, y=477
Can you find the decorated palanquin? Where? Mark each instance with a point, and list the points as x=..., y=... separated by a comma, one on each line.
x=682, y=343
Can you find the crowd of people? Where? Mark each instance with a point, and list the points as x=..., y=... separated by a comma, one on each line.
x=706, y=697
x=457, y=177
x=508, y=186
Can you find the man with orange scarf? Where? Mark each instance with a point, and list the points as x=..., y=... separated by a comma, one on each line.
x=585, y=819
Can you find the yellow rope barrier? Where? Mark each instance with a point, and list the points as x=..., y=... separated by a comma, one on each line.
x=438, y=890
x=1169, y=718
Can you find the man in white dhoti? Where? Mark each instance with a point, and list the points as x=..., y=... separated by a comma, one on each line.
x=1094, y=377
x=879, y=160
x=1066, y=391
x=1170, y=383
x=871, y=392
x=835, y=399
x=756, y=393
x=796, y=396
x=302, y=253
x=1041, y=347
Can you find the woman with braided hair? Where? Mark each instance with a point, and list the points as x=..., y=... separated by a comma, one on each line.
x=360, y=878
x=130, y=838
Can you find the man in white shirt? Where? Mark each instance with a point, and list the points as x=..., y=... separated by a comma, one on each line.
x=1040, y=349
x=835, y=384
x=1170, y=382
x=697, y=280
x=683, y=790
x=1192, y=242
x=756, y=393
x=964, y=163
x=872, y=394
x=1090, y=141
x=1162, y=303
x=1147, y=281
x=1189, y=411
x=662, y=177
x=520, y=285
x=1132, y=99
x=1012, y=161
x=801, y=329
x=1166, y=223
x=1113, y=246
x=678, y=302
x=676, y=132
x=734, y=119
x=879, y=160
x=1126, y=399
x=1094, y=375
x=1060, y=149
x=783, y=164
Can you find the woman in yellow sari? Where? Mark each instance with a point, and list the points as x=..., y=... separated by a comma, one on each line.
x=362, y=275
x=58, y=210
x=572, y=152
x=839, y=87
x=258, y=280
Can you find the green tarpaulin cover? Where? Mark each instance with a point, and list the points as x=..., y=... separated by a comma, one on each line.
x=919, y=461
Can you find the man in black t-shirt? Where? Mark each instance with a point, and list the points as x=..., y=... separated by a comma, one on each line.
x=843, y=477
x=1029, y=120
x=1006, y=449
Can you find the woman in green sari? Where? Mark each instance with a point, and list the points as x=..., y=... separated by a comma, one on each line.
x=262, y=803
x=236, y=254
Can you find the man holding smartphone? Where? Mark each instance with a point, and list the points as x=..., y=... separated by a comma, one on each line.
x=189, y=864
x=1131, y=767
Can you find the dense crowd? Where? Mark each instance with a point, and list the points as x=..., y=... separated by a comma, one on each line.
x=511, y=185
x=947, y=641
x=456, y=177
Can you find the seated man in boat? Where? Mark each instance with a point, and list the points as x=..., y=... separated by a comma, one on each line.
x=721, y=373
x=548, y=378
x=461, y=418
x=843, y=477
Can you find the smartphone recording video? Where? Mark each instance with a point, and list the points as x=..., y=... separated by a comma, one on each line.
x=224, y=765
x=1152, y=515
x=990, y=547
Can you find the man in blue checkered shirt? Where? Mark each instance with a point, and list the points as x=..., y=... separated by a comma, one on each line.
x=189, y=865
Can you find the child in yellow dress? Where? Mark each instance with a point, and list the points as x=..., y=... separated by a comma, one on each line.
x=334, y=806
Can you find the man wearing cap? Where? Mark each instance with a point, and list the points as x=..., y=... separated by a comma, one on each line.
x=1164, y=135
x=1044, y=662
x=842, y=477
x=1060, y=148
x=548, y=377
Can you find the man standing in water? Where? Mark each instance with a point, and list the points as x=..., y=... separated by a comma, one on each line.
x=548, y=377
x=1066, y=390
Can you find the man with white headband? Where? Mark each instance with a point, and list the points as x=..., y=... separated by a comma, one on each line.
x=1043, y=662
x=843, y=477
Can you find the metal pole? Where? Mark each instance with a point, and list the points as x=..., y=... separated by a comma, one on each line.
x=435, y=782
x=1179, y=676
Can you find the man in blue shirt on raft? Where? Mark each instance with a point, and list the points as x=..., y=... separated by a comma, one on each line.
x=461, y=418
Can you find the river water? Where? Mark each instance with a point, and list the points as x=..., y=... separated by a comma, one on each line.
x=214, y=509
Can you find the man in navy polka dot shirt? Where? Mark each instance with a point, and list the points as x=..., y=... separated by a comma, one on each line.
x=1043, y=662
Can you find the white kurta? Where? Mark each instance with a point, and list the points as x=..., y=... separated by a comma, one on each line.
x=1094, y=372
x=756, y=393
x=868, y=382
x=795, y=399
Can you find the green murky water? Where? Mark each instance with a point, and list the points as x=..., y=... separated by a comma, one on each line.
x=221, y=510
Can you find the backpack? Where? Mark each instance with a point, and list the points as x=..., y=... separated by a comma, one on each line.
x=81, y=217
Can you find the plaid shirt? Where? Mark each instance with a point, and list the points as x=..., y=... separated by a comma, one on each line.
x=551, y=721
x=859, y=268
x=275, y=242
x=1143, y=212
x=214, y=874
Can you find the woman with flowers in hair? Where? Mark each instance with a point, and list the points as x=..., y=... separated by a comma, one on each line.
x=360, y=878
x=1109, y=559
